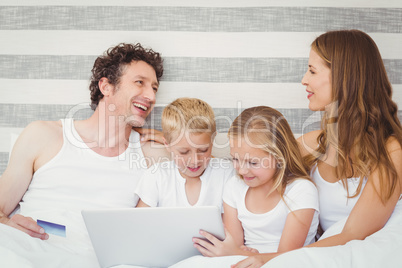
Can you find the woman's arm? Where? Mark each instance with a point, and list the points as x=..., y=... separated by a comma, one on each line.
x=308, y=142
x=234, y=237
x=369, y=214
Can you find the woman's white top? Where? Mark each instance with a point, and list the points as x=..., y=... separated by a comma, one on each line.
x=163, y=186
x=333, y=197
x=263, y=231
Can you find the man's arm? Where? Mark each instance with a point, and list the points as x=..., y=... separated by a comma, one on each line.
x=27, y=156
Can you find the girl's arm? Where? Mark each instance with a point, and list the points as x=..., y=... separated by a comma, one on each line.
x=234, y=237
x=232, y=224
x=142, y=204
x=293, y=236
x=296, y=229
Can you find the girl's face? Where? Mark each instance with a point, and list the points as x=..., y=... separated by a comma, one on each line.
x=318, y=83
x=256, y=166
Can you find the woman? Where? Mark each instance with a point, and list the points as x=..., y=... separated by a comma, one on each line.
x=356, y=157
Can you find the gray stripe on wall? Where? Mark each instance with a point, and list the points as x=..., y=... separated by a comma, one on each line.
x=200, y=19
x=20, y=115
x=300, y=120
x=3, y=161
x=180, y=69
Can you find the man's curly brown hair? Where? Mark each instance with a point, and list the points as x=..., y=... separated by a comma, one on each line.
x=112, y=63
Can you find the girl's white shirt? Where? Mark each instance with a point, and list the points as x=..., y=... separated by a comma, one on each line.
x=263, y=231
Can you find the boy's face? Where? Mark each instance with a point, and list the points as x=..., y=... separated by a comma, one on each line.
x=191, y=153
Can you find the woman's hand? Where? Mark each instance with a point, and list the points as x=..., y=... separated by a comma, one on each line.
x=214, y=247
x=249, y=249
x=251, y=262
x=255, y=261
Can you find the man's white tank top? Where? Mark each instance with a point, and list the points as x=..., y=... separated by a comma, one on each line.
x=77, y=178
x=333, y=198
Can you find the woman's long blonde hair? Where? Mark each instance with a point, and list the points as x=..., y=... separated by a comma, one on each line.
x=268, y=130
x=362, y=116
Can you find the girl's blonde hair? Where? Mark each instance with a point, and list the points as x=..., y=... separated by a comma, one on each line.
x=268, y=130
x=363, y=116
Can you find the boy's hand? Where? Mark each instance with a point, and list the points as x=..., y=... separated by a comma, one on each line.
x=27, y=225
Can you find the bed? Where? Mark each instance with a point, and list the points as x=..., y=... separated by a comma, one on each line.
x=382, y=249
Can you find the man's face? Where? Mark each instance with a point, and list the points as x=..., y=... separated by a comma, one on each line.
x=134, y=96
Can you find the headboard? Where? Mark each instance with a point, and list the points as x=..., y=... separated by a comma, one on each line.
x=232, y=54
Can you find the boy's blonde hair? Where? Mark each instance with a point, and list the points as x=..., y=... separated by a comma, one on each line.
x=187, y=114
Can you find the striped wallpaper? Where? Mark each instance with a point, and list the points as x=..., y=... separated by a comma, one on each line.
x=233, y=54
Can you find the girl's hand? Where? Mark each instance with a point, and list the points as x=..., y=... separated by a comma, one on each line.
x=150, y=135
x=214, y=247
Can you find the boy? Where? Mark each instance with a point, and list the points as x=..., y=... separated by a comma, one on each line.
x=192, y=178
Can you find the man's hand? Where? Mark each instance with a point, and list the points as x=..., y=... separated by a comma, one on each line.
x=25, y=224
x=150, y=135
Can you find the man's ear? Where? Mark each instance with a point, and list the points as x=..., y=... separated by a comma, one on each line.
x=105, y=87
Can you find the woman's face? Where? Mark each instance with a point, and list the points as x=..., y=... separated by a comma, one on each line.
x=318, y=83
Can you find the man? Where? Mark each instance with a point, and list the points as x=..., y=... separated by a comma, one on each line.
x=59, y=168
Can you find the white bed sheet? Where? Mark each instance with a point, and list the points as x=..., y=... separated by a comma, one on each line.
x=382, y=249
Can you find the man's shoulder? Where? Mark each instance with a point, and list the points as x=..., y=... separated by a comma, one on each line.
x=38, y=143
x=45, y=125
x=44, y=129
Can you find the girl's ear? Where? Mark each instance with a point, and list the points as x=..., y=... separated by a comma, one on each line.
x=105, y=87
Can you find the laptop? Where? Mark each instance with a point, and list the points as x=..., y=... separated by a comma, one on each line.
x=150, y=237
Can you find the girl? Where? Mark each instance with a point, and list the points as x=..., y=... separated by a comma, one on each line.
x=356, y=157
x=271, y=205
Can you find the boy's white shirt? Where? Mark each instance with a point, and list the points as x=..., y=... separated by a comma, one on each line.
x=163, y=186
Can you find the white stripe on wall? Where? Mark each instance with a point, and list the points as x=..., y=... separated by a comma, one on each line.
x=7, y=135
x=222, y=95
x=183, y=44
